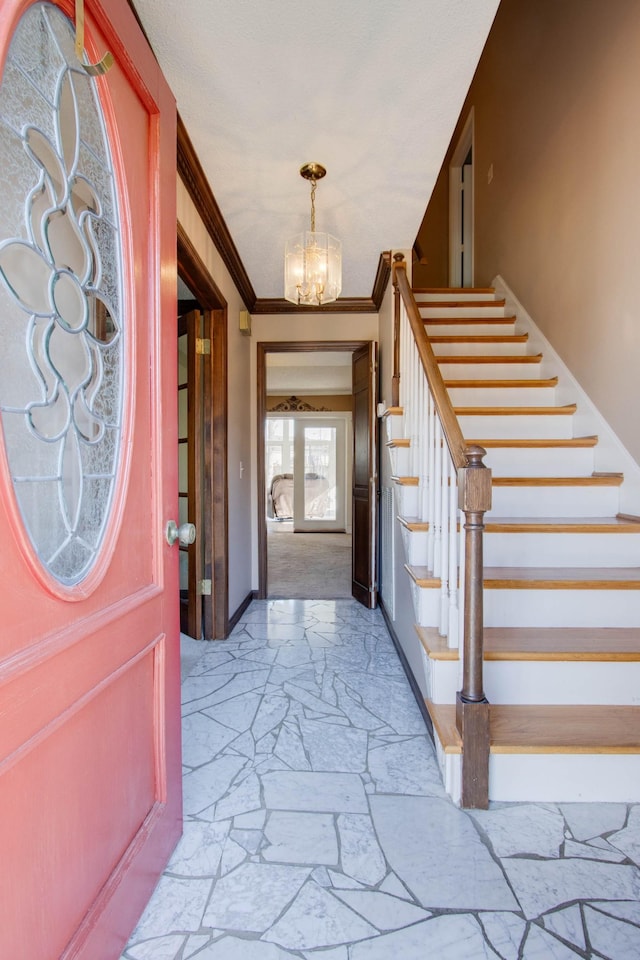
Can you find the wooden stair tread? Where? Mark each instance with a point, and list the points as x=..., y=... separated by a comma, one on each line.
x=619, y=524
x=567, y=410
x=593, y=480
x=479, y=338
x=398, y=442
x=453, y=290
x=460, y=320
x=406, y=481
x=393, y=412
x=498, y=442
x=562, y=578
x=532, y=358
x=580, y=644
x=413, y=523
x=536, y=383
x=574, y=729
x=562, y=525
x=542, y=578
x=422, y=576
x=458, y=304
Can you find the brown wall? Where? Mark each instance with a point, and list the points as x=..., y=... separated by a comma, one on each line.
x=555, y=98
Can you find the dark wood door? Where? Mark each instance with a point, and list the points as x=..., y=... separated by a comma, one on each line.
x=365, y=480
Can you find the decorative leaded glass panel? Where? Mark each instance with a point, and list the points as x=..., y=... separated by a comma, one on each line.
x=61, y=339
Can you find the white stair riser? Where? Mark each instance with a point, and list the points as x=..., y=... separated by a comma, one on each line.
x=407, y=500
x=551, y=777
x=561, y=608
x=443, y=296
x=474, y=349
x=502, y=396
x=474, y=370
x=474, y=328
x=540, y=549
x=566, y=682
x=518, y=427
x=394, y=426
x=561, y=549
x=400, y=461
x=553, y=502
x=443, y=679
x=563, y=777
x=482, y=313
x=415, y=543
x=540, y=461
x=540, y=681
x=427, y=605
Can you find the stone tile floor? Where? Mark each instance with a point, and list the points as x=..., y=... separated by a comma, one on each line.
x=316, y=826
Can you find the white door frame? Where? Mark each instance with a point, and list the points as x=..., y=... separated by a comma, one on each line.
x=465, y=143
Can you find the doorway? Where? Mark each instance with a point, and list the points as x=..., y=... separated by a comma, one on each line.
x=461, y=202
x=203, y=472
x=316, y=524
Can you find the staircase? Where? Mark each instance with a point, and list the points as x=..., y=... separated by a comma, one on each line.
x=561, y=571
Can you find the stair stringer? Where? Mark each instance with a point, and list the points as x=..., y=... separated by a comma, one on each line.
x=610, y=453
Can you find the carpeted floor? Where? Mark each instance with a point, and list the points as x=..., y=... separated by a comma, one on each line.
x=308, y=566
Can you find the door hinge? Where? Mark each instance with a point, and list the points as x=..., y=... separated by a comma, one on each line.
x=204, y=588
x=202, y=345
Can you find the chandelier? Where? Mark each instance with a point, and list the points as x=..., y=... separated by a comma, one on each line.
x=312, y=261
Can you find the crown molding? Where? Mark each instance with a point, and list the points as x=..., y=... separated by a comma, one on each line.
x=344, y=305
x=194, y=179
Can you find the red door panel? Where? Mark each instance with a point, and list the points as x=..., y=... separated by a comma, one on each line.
x=90, y=785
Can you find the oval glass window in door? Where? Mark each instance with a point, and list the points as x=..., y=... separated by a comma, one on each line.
x=61, y=336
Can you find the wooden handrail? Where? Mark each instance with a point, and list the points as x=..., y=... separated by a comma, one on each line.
x=450, y=426
x=474, y=499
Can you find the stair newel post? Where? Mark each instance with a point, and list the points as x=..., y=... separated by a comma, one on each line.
x=395, y=380
x=472, y=707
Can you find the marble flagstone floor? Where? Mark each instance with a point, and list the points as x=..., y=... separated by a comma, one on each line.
x=316, y=826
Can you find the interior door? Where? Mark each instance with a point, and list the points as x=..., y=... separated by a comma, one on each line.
x=365, y=478
x=190, y=464
x=319, y=474
x=90, y=786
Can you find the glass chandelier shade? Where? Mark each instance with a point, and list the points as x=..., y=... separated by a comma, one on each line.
x=312, y=260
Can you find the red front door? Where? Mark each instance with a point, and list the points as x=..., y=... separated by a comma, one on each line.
x=90, y=801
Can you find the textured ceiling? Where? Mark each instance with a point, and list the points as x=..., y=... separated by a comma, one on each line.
x=371, y=89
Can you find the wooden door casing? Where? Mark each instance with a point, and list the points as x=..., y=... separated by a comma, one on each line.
x=190, y=326
x=90, y=773
x=364, y=440
x=215, y=523
x=364, y=587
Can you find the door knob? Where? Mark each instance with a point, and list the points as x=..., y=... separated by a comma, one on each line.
x=185, y=533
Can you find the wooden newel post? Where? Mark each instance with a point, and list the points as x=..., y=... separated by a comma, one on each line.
x=472, y=707
x=395, y=380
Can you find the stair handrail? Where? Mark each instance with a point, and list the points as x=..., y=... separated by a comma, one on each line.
x=450, y=425
x=474, y=499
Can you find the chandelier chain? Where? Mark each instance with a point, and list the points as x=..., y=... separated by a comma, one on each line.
x=313, y=206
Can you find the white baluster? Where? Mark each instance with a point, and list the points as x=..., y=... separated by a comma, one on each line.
x=437, y=509
x=453, y=560
x=432, y=486
x=444, y=564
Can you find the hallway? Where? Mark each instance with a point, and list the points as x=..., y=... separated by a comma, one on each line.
x=316, y=825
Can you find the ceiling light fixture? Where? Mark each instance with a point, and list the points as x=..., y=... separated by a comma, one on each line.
x=312, y=261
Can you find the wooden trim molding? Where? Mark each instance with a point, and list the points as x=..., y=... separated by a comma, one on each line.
x=195, y=274
x=383, y=275
x=194, y=178
x=343, y=305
